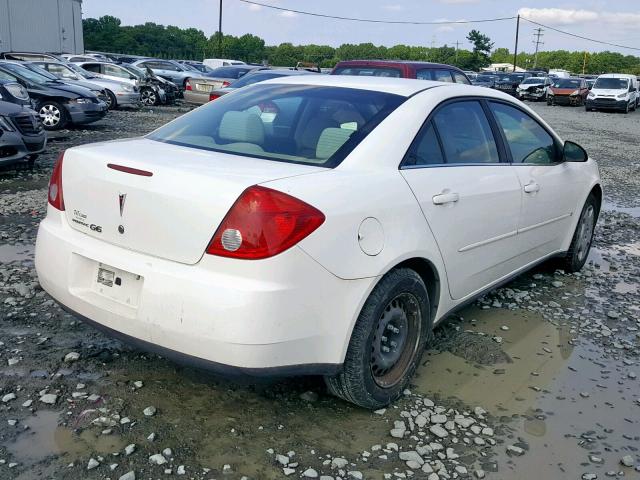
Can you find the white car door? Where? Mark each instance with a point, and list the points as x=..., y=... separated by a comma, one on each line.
x=550, y=187
x=470, y=199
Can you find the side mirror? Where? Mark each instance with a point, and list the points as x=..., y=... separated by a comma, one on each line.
x=632, y=89
x=572, y=152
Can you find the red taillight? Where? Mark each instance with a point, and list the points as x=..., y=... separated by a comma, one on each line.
x=225, y=84
x=263, y=223
x=213, y=96
x=187, y=85
x=55, y=185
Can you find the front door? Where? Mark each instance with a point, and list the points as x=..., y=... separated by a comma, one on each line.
x=470, y=199
x=550, y=188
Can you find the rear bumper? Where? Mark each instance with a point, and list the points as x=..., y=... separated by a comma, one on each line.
x=196, y=98
x=14, y=146
x=280, y=316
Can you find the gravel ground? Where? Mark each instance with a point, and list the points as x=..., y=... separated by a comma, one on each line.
x=539, y=379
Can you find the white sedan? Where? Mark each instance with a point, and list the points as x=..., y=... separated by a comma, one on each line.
x=313, y=225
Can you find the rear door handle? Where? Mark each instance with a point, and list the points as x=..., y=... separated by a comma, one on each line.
x=532, y=187
x=445, y=198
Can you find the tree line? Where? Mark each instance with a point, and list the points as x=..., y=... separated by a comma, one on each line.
x=150, y=39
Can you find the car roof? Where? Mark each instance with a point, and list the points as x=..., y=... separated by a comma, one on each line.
x=617, y=75
x=382, y=63
x=398, y=86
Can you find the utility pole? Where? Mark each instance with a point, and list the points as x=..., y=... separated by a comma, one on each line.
x=538, y=35
x=220, y=31
x=584, y=63
x=457, y=46
x=515, y=53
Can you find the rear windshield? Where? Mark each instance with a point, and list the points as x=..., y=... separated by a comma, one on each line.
x=312, y=125
x=612, y=83
x=369, y=71
x=255, y=78
x=229, y=72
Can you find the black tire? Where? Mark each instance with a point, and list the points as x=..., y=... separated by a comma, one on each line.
x=626, y=109
x=398, y=307
x=31, y=160
x=53, y=115
x=113, y=101
x=578, y=251
x=549, y=102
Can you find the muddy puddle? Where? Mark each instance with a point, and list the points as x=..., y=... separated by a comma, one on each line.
x=44, y=437
x=633, y=211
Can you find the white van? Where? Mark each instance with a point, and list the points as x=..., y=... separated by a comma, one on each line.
x=221, y=62
x=614, y=91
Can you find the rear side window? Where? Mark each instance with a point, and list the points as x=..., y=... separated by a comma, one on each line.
x=426, y=149
x=424, y=74
x=442, y=76
x=527, y=140
x=115, y=71
x=466, y=134
x=304, y=124
x=92, y=67
x=369, y=71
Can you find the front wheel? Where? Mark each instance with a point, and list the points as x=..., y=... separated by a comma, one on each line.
x=149, y=97
x=583, y=236
x=53, y=115
x=112, y=101
x=549, y=102
x=387, y=342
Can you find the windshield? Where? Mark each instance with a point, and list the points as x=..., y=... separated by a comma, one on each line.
x=612, y=83
x=80, y=71
x=312, y=125
x=135, y=71
x=533, y=80
x=567, y=83
x=484, y=78
x=30, y=75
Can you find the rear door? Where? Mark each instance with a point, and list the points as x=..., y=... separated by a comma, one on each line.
x=471, y=199
x=549, y=187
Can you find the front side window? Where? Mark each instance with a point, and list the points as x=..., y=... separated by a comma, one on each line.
x=527, y=140
x=304, y=124
x=466, y=134
x=115, y=71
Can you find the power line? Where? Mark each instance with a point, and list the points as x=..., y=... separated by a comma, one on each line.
x=371, y=20
x=602, y=42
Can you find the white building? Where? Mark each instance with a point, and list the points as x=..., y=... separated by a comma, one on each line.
x=41, y=26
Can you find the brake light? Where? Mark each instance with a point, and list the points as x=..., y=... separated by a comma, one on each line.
x=263, y=223
x=187, y=85
x=213, y=96
x=55, y=185
x=225, y=84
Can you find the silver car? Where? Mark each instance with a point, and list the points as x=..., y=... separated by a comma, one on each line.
x=119, y=94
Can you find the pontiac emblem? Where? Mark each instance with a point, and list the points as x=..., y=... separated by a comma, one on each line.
x=122, y=198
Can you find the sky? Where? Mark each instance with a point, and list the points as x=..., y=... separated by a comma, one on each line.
x=616, y=22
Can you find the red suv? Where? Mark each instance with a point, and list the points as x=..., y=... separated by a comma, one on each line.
x=401, y=69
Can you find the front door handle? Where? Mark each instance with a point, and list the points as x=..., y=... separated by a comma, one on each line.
x=532, y=187
x=445, y=198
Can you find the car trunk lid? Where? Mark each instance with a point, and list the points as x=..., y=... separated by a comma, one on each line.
x=159, y=199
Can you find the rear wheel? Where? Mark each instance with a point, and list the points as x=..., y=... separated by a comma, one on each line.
x=387, y=342
x=583, y=236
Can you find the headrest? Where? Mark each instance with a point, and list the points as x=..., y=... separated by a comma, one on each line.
x=241, y=127
x=331, y=139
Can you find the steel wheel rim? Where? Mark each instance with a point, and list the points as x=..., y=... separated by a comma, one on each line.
x=395, y=340
x=585, y=232
x=148, y=97
x=50, y=115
